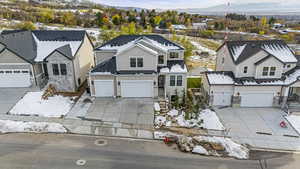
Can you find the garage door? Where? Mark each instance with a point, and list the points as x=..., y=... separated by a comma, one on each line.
x=137, y=88
x=15, y=78
x=222, y=98
x=257, y=99
x=104, y=88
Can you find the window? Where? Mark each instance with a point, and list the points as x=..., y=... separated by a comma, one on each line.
x=179, y=80
x=140, y=62
x=245, y=69
x=174, y=55
x=223, y=60
x=79, y=81
x=8, y=71
x=161, y=59
x=265, y=71
x=272, y=71
x=17, y=71
x=63, y=69
x=288, y=66
x=1, y=71
x=55, y=69
x=172, y=80
x=132, y=62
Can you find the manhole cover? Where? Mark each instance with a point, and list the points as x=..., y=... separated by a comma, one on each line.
x=80, y=162
x=100, y=142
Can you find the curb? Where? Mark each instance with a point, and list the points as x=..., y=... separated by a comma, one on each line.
x=275, y=150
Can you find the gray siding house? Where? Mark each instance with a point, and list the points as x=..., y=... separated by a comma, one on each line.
x=138, y=66
x=37, y=58
x=254, y=74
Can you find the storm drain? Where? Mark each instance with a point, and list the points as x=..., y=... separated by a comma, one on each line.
x=100, y=142
x=263, y=133
x=80, y=162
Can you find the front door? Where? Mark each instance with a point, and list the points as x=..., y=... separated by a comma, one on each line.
x=161, y=81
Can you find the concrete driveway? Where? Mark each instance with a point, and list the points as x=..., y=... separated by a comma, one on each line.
x=9, y=97
x=259, y=127
x=136, y=111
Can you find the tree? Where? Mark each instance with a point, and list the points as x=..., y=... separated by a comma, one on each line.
x=26, y=26
x=116, y=19
x=46, y=15
x=68, y=18
x=157, y=20
x=264, y=21
x=272, y=20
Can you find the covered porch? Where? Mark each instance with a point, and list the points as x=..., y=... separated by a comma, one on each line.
x=291, y=97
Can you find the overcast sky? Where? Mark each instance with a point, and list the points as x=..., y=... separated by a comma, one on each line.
x=172, y=4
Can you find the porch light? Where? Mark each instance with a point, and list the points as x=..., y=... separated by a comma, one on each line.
x=238, y=94
x=154, y=83
x=119, y=83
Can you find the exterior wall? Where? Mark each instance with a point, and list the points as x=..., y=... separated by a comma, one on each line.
x=123, y=60
x=83, y=61
x=292, y=65
x=205, y=84
x=1, y=47
x=159, y=51
x=61, y=82
x=8, y=57
x=137, y=77
x=171, y=90
x=271, y=62
x=101, y=56
x=228, y=64
x=101, y=77
x=250, y=63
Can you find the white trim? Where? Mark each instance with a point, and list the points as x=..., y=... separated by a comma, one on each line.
x=140, y=46
x=15, y=64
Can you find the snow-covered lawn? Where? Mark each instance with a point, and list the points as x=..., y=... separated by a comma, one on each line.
x=294, y=121
x=197, y=144
x=33, y=104
x=207, y=119
x=8, y=126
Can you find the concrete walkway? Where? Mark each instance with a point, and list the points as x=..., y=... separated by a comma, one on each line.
x=259, y=127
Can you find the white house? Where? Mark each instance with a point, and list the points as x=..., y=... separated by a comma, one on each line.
x=138, y=66
x=199, y=26
x=254, y=74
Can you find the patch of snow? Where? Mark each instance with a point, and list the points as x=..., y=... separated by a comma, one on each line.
x=165, y=70
x=283, y=53
x=8, y=126
x=237, y=51
x=178, y=69
x=156, y=107
x=203, y=49
x=210, y=120
x=160, y=120
x=233, y=149
x=44, y=48
x=294, y=121
x=33, y=104
x=219, y=78
x=200, y=150
x=173, y=113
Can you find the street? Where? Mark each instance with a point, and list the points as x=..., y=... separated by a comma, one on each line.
x=52, y=151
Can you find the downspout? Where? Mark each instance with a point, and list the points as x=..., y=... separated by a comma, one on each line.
x=74, y=74
x=33, y=74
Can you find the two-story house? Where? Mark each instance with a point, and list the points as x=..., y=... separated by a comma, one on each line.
x=138, y=66
x=260, y=73
x=40, y=57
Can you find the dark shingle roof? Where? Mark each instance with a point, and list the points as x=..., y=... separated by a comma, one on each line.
x=124, y=39
x=106, y=66
x=252, y=47
x=66, y=50
x=59, y=35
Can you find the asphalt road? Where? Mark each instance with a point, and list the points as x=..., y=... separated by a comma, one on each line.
x=30, y=151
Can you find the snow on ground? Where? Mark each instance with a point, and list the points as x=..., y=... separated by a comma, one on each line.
x=233, y=149
x=200, y=150
x=203, y=49
x=8, y=126
x=33, y=104
x=211, y=120
x=207, y=119
x=156, y=107
x=294, y=121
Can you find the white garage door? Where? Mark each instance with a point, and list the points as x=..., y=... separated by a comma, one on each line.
x=137, y=88
x=104, y=88
x=222, y=98
x=15, y=78
x=257, y=99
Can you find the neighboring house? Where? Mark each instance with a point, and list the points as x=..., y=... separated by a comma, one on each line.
x=178, y=27
x=199, y=26
x=138, y=66
x=254, y=74
x=35, y=58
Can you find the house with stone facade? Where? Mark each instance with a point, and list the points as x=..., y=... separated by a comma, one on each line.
x=139, y=66
x=262, y=73
x=41, y=57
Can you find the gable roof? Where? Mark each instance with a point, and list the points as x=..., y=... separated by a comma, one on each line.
x=35, y=46
x=242, y=50
x=122, y=40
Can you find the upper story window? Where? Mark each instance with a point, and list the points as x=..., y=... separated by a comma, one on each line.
x=174, y=55
x=63, y=69
x=245, y=69
x=288, y=66
x=265, y=71
x=272, y=71
x=179, y=80
x=161, y=59
x=55, y=69
x=176, y=80
x=172, y=80
x=136, y=62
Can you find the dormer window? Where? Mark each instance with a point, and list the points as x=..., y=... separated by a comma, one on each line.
x=245, y=69
x=174, y=55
